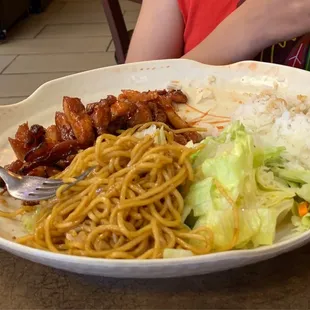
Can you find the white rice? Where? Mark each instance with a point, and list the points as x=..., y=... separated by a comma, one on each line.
x=275, y=123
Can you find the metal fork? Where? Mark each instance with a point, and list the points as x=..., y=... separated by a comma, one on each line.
x=28, y=188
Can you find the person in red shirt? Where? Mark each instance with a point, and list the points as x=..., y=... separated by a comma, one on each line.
x=221, y=32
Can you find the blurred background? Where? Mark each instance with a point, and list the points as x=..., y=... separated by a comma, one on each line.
x=42, y=40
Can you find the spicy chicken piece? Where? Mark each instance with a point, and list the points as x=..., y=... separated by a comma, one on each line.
x=19, y=148
x=38, y=172
x=44, y=172
x=121, y=109
x=79, y=120
x=162, y=92
x=51, y=171
x=111, y=99
x=14, y=167
x=185, y=137
x=178, y=96
x=119, y=123
x=37, y=133
x=141, y=115
x=39, y=151
x=100, y=114
x=58, y=152
x=136, y=96
x=23, y=134
x=63, y=127
x=193, y=136
x=158, y=113
x=179, y=138
x=25, y=139
x=52, y=135
x=30, y=136
x=91, y=107
x=176, y=121
x=64, y=163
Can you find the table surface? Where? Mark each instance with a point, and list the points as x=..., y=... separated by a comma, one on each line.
x=280, y=283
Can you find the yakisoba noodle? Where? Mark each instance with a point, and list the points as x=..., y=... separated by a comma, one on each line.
x=129, y=207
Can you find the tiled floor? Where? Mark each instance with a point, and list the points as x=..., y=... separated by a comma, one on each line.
x=70, y=36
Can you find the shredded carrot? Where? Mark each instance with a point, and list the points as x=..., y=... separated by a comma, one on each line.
x=223, y=191
x=303, y=208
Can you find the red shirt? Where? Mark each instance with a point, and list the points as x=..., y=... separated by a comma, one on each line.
x=201, y=17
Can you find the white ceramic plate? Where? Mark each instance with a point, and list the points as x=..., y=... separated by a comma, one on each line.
x=226, y=86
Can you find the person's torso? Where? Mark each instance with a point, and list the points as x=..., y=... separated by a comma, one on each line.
x=201, y=17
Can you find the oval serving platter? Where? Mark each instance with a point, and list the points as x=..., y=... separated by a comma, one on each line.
x=214, y=93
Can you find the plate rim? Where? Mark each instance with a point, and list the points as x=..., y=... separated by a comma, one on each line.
x=280, y=247
x=250, y=63
x=192, y=260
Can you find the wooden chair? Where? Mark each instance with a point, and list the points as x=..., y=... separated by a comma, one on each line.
x=120, y=35
x=10, y=12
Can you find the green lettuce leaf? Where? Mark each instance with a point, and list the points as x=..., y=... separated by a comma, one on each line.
x=301, y=224
x=157, y=133
x=29, y=220
x=304, y=192
x=177, y=253
x=270, y=156
x=270, y=218
x=256, y=226
x=267, y=181
x=235, y=191
x=296, y=176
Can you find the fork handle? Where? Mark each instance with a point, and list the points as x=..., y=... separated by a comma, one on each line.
x=7, y=176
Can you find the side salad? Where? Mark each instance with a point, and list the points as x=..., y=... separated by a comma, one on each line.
x=243, y=190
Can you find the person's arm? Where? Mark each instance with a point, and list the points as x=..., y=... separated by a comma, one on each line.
x=240, y=36
x=254, y=26
x=158, y=33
